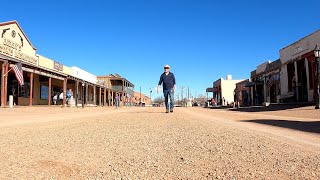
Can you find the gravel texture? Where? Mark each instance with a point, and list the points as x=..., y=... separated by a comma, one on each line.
x=146, y=143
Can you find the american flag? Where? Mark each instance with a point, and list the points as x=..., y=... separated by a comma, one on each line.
x=17, y=68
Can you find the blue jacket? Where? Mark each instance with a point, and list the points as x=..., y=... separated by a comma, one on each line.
x=168, y=81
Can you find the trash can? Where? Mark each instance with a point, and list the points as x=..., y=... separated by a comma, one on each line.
x=11, y=101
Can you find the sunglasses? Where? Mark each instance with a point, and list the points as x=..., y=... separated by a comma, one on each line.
x=166, y=68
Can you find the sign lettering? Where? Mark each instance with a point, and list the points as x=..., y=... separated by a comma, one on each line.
x=13, y=49
x=57, y=66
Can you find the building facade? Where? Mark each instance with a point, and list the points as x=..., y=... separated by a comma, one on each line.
x=298, y=70
x=120, y=85
x=265, y=83
x=43, y=78
x=224, y=90
x=141, y=99
x=243, y=93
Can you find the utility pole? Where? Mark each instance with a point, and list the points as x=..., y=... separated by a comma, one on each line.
x=150, y=96
x=182, y=94
x=140, y=96
x=178, y=97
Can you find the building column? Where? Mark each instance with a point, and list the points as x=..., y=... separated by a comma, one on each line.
x=49, y=92
x=307, y=73
x=86, y=98
x=108, y=98
x=64, y=91
x=94, y=95
x=6, y=84
x=100, y=93
x=265, y=88
x=31, y=89
x=111, y=98
x=76, y=93
x=313, y=80
x=2, y=83
x=105, y=97
x=296, y=75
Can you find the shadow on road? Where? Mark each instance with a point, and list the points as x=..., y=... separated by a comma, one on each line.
x=142, y=112
x=310, y=126
x=272, y=107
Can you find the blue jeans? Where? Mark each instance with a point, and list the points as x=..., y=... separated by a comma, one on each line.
x=169, y=94
x=117, y=104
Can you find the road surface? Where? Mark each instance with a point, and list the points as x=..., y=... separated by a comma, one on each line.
x=140, y=143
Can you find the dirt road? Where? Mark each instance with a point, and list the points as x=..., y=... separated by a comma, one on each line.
x=139, y=143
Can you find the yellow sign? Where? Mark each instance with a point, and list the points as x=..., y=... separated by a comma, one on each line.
x=15, y=44
x=13, y=49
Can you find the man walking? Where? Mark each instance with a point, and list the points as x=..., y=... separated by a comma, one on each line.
x=116, y=100
x=169, y=87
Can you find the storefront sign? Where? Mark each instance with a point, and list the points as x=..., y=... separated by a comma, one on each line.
x=57, y=66
x=13, y=49
x=101, y=82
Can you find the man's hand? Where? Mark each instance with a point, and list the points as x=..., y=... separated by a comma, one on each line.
x=158, y=89
x=174, y=88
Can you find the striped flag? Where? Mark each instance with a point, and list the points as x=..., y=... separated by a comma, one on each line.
x=17, y=68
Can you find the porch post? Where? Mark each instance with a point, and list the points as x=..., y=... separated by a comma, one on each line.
x=308, y=78
x=64, y=91
x=111, y=98
x=100, y=96
x=76, y=93
x=105, y=97
x=49, y=92
x=2, y=83
x=313, y=80
x=86, y=98
x=6, y=84
x=296, y=75
x=265, y=88
x=31, y=89
x=94, y=95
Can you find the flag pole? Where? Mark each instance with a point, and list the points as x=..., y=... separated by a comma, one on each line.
x=7, y=72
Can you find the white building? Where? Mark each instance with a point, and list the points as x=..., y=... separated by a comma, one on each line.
x=82, y=74
x=224, y=90
x=90, y=90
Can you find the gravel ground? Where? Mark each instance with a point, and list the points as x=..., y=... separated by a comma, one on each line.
x=145, y=143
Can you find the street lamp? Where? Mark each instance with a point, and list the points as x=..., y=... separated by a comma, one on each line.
x=82, y=94
x=150, y=96
x=317, y=56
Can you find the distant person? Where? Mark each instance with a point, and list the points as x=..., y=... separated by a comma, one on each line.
x=224, y=101
x=61, y=98
x=55, y=98
x=69, y=95
x=213, y=102
x=116, y=100
x=168, y=81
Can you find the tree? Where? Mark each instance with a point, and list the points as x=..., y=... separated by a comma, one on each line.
x=158, y=100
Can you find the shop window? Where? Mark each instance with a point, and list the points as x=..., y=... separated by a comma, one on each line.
x=44, y=92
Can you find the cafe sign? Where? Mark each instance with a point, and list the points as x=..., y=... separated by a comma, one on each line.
x=14, y=44
x=57, y=66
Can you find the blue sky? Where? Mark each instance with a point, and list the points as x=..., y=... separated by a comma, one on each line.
x=202, y=40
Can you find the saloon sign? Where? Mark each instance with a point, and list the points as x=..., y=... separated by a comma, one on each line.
x=12, y=44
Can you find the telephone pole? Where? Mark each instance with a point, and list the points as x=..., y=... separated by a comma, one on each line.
x=182, y=94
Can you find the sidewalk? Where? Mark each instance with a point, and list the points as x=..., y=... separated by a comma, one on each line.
x=295, y=111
